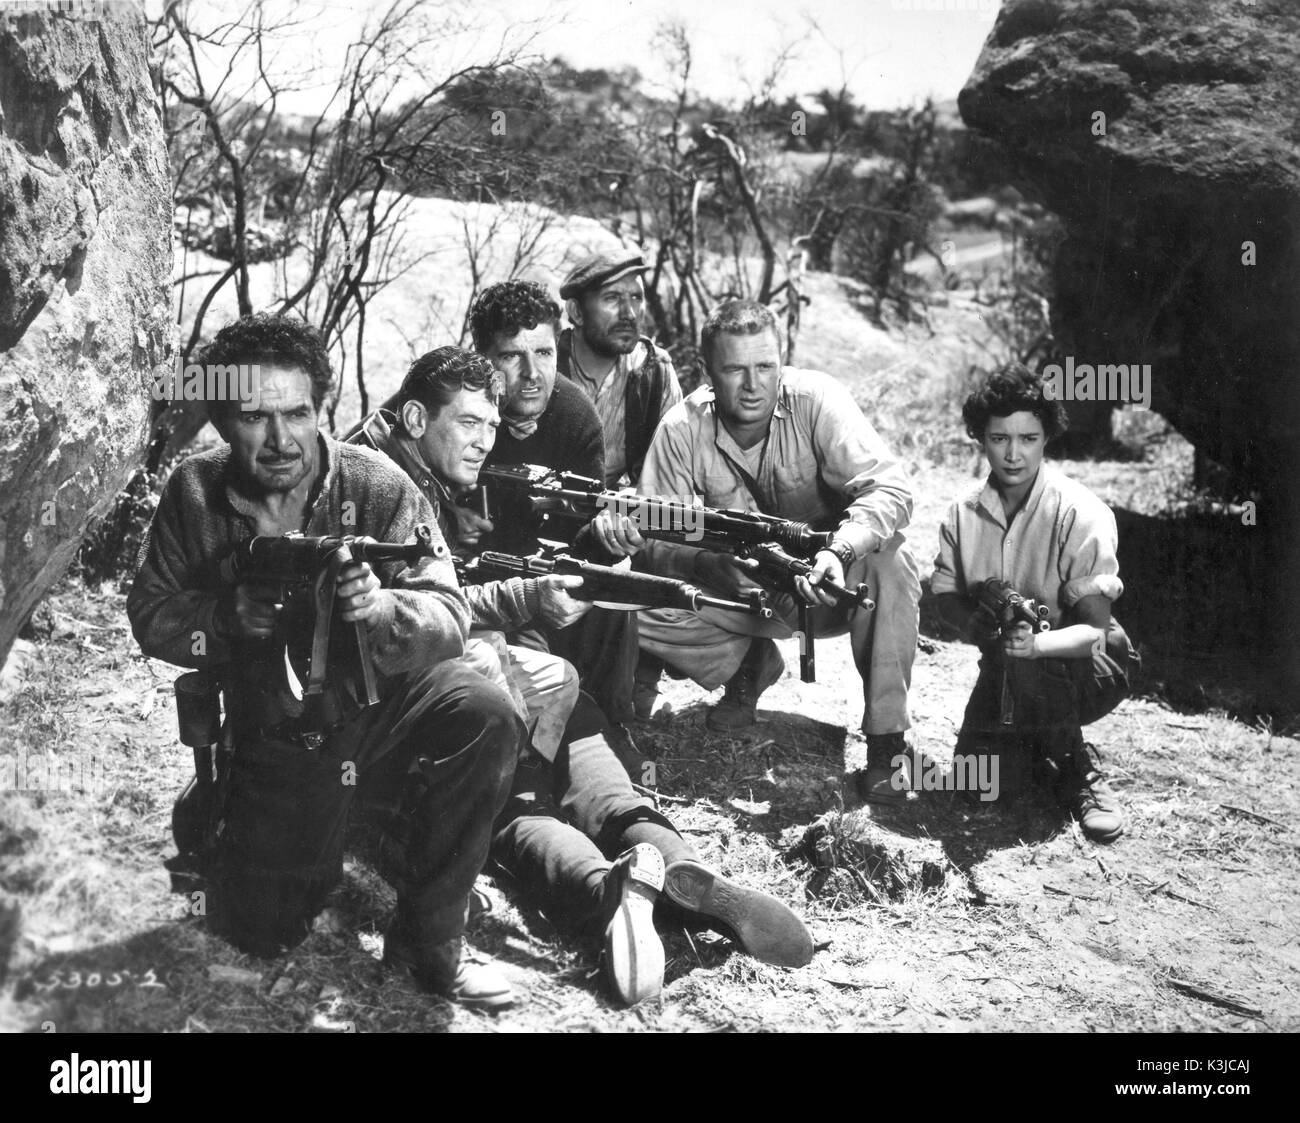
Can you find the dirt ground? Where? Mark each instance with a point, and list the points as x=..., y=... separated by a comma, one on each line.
x=1187, y=923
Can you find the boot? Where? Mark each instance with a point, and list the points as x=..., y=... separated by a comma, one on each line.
x=634, y=954
x=1090, y=799
x=881, y=782
x=450, y=968
x=763, y=926
x=762, y=666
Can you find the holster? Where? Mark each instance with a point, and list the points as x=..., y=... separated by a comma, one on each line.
x=197, y=815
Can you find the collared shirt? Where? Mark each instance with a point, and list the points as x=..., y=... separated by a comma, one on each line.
x=1060, y=547
x=609, y=399
x=823, y=463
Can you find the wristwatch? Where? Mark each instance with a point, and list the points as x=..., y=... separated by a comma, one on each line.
x=844, y=552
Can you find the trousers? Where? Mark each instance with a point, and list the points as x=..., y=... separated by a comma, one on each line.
x=602, y=648
x=710, y=645
x=1046, y=701
x=544, y=687
x=565, y=822
x=434, y=759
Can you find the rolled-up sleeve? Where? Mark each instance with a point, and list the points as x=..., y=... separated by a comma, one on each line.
x=668, y=471
x=857, y=463
x=1089, y=562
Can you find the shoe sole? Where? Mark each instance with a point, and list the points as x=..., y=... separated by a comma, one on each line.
x=634, y=954
x=762, y=925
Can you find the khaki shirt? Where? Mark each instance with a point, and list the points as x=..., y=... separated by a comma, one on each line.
x=1060, y=547
x=608, y=398
x=823, y=464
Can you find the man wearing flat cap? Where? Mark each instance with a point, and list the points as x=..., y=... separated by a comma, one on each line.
x=630, y=381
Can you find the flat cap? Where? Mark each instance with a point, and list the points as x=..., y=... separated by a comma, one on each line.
x=600, y=269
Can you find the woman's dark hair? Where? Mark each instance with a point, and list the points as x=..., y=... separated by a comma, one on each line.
x=509, y=308
x=435, y=379
x=1012, y=388
x=271, y=340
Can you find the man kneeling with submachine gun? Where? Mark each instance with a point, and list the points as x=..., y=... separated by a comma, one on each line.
x=302, y=575
x=388, y=707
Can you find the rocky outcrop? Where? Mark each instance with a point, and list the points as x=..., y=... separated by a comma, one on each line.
x=85, y=266
x=1166, y=134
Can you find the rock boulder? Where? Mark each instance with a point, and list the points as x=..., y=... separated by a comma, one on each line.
x=85, y=281
x=1166, y=134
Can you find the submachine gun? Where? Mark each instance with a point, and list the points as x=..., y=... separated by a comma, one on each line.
x=1010, y=609
x=778, y=550
x=304, y=571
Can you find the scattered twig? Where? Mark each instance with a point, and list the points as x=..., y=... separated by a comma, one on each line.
x=990, y=978
x=660, y=795
x=694, y=949
x=854, y=984
x=84, y=623
x=1070, y=893
x=1179, y=897
x=1249, y=814
x=1214, y=999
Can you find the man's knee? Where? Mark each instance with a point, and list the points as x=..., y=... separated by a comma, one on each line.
x=468, y=710
x=892, y=574
x=490, y=718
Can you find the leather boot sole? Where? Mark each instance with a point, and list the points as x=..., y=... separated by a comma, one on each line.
x=762, y=925
x=634, y=954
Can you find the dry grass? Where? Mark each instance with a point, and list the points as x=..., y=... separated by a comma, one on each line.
x=1032, y=928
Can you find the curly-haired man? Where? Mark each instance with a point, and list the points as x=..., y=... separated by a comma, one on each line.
x=440, y=746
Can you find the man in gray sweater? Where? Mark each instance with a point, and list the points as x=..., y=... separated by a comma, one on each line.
x=438, y=751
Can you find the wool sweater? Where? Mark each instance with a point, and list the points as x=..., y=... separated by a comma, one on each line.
x=178, y=587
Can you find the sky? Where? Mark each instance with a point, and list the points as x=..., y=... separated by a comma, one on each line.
x=890, y=53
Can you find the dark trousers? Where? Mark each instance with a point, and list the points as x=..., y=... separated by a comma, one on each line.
x=603, y=648
x=435, y=759
x=564, y=823
x=1048, y=701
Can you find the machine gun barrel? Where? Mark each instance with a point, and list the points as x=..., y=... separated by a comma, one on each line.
x=601, y=582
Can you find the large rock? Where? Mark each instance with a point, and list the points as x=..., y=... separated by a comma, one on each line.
x=1201, y=112
x=85, y=265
